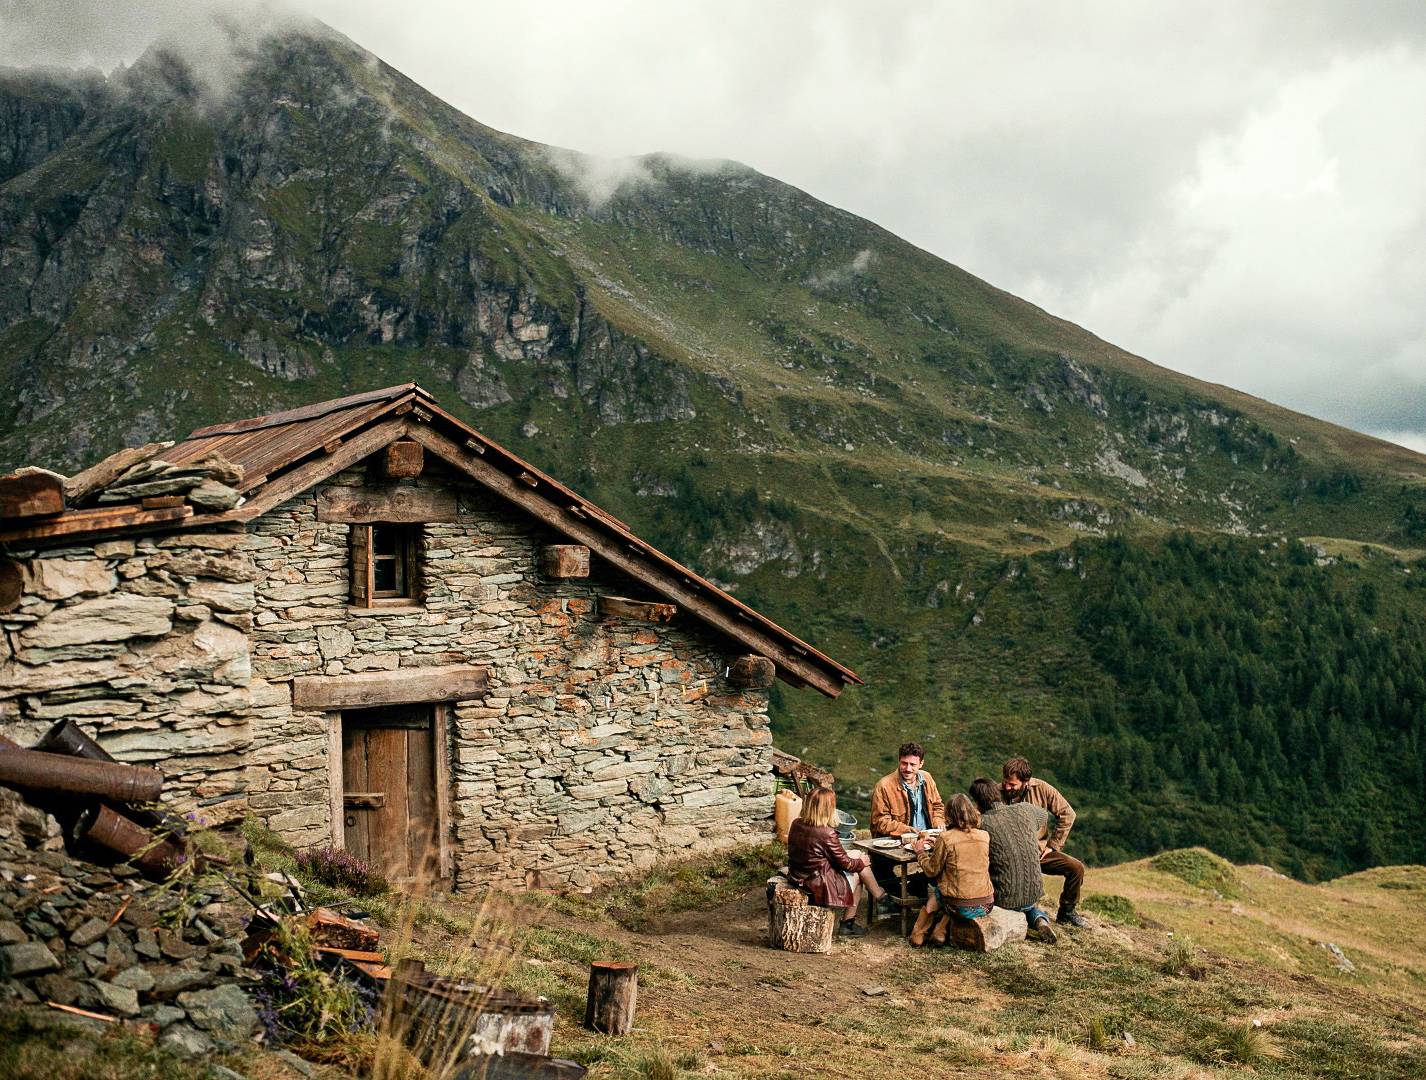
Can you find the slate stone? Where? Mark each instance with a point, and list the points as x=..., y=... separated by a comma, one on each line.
x=11, y=933
x=146, y=944
x=174, y=980
x=164, y=1015
x=88, y=932
x=26, y=958
x=58, y=988
x=186, y=1040
x=135, y=978
x=174, y=947
x=224, y=1011
x=118, y=999
x=301, y=1065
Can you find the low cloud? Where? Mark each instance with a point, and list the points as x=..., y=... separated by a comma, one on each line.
x=598, y=178
x=843, y=274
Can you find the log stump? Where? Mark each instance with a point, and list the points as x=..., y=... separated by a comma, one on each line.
x=613, y=996
x=795, y=925
x=989, y=932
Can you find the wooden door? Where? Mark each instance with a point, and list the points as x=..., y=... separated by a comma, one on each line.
x=389, y=795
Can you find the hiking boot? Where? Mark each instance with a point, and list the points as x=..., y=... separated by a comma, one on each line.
x=1071, y=917
x=887, y=905
x=849, y=928
x=1043, y=930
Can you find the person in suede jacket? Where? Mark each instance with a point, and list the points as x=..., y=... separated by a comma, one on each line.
x=906, y=800
x=819, y=865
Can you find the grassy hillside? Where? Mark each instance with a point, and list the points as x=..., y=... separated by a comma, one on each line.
x=1192, y=968
x=915, y=470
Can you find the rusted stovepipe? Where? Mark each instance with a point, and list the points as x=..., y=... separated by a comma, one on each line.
x=111, y=830
x=38, y=771
x=68, y=738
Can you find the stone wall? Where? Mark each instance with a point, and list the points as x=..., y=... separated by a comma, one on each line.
x=602, y=744
x=144, y=642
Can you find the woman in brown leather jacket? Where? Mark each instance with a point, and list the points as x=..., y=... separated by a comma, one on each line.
x=817, y=862
x=958, y=865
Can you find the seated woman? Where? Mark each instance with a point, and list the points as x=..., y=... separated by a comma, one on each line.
x=817, y=862
x=958, y=867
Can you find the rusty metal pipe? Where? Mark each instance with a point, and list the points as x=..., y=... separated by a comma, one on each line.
x=69, y=738
x=111, y=830
x=36, y=770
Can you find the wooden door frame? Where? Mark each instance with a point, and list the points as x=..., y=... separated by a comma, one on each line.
x=336, y=784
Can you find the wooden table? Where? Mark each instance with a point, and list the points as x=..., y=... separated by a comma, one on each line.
x=903, y=865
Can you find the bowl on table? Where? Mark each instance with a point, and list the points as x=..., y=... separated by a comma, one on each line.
x=846, y=825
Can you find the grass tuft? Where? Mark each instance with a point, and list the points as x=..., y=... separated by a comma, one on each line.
x=1180, y=957
x=1115, y=908
x=1200, y=868
x=1241, y=1044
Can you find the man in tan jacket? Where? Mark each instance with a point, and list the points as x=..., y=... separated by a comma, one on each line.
x=1019, y=786
x=906, y=800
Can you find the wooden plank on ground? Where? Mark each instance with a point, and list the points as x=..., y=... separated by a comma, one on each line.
x=402, y=686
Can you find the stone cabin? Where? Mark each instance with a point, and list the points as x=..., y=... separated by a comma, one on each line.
x=403, y=641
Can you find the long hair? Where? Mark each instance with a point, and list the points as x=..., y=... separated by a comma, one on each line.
x=961, y=813
x=820, y=807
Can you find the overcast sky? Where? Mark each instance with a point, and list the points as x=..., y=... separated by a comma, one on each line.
x=1236, y=190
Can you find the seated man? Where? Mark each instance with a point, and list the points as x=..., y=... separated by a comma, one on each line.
x=1018, y=786
x=1014, y=854
x=906, y=800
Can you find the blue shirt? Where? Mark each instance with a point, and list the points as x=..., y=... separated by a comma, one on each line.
x=916, y=797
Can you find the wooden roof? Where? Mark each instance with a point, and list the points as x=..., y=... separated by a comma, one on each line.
x=285, y=453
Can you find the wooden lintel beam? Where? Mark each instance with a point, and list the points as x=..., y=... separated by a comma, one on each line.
x=400, y=687
x=794, y=669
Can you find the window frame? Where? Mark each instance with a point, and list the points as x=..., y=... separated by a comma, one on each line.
x=363, y=562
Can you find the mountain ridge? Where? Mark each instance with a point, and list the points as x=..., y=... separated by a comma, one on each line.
x=904, y=464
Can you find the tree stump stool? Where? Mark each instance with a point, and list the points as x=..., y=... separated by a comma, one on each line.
x=989, y=932
x=795, y=925
x=613, y=996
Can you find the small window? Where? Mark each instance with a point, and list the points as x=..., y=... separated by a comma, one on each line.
x=384, y=564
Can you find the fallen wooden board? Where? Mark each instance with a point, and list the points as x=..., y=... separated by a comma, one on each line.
x=362, y=955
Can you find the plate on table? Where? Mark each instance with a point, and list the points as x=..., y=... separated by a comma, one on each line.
x=886, y=842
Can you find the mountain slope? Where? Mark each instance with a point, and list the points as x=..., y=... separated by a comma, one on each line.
x=885, y=453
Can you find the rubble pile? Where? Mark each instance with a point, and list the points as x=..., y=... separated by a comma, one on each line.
x=103, y=941
x=135, y=474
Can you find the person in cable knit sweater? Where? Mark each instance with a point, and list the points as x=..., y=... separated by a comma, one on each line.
x=1014, y=853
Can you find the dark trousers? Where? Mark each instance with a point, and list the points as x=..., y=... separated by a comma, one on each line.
x=1058, y=864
